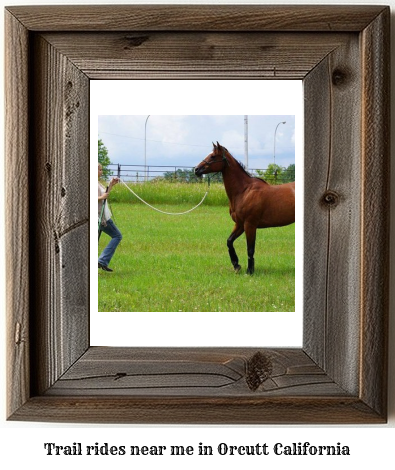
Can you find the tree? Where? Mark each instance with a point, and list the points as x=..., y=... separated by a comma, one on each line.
x=181, y=176
x=273, y=174
x=289, y=173
x=104, y=159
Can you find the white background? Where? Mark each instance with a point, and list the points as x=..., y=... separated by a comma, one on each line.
x=157, y=98
x=21, y=444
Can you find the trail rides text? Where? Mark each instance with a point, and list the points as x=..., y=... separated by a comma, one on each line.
x=223, y=449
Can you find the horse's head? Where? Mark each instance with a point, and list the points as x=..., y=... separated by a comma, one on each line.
x=214, y=162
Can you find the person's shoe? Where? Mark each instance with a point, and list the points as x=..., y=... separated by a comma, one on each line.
x=105, y=268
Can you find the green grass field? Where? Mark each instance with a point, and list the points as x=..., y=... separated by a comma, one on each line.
x=181, y=263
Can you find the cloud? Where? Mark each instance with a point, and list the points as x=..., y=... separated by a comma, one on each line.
x=184, y=140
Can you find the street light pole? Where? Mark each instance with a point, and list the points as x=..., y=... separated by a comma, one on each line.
x=246, y=141
x=275, y=132
x=145, y=147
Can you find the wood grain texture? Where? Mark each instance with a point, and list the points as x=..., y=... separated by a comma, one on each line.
x=17, y=200
x=196, y=17
x=198, y=410
x=60, y=247
x=317, y=113
x=376, y=212
x=196, y=55
x=332, y=205
x=210, y=372
x=339, y=376
x=123, y=385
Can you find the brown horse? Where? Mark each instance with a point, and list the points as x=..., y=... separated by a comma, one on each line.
x=253, y=203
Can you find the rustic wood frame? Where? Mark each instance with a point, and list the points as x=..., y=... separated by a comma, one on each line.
x=340, y=374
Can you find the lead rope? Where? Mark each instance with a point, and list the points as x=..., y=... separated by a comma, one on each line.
x=163, y=212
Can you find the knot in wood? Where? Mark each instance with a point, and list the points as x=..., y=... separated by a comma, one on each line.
x=259, y=369
x=133, y=41
x=330, y=198
x=18, y=334
x=340, y=77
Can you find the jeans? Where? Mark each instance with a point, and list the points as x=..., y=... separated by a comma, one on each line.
x=116, y=236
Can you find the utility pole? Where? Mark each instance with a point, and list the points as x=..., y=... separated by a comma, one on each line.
x=145, y=148
x=246, y=141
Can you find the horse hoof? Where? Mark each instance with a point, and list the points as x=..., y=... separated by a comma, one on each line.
x=250, y=272
x=237, y=269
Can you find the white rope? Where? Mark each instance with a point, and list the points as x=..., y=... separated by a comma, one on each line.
x=158, y=210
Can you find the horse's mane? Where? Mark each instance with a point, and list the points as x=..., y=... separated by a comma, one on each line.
x=241, y=165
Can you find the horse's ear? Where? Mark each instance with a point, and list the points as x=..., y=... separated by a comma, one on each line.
x=218, y=145
x=214, y=146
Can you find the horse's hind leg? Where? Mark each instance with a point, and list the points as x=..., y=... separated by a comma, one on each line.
x=251, y=237
x=236, y=232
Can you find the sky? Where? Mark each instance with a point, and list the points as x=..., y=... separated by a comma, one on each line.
x=186, y=116
x=184, y=140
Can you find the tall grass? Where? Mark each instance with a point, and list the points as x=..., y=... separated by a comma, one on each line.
x=181, y=263
x=163, y=192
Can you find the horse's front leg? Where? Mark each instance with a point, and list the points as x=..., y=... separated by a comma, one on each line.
x=236, y=232
x=250, y=231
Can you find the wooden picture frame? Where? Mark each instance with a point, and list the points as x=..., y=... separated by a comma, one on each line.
x=340, y=374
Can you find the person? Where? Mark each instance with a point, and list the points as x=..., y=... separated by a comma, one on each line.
x=107, y=225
